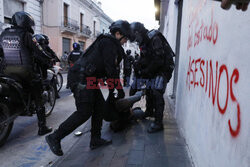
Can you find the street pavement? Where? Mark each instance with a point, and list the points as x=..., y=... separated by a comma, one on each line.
x=133, y=147
x=24, y=148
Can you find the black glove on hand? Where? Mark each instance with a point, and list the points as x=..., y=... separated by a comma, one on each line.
x=121, y=93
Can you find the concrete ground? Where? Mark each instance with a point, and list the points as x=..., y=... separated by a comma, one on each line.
x=133, y=147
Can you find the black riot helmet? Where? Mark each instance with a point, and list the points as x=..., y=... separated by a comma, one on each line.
x=138, y=31
x=39, y=38
x=76, y=46
x=122, y=26
x=23, y=20
x=46, y=41
x=128, y=52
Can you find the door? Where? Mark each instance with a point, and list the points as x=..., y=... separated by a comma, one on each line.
x=66, y=45
x=82, y=44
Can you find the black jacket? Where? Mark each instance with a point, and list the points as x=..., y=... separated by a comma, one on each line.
x=127, y=64
x=50, y=52
x=156, y=57
x=100, y=60
x=74, y=56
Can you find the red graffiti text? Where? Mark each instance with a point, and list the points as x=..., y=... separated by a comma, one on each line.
x=207, y=74
x=203, y=31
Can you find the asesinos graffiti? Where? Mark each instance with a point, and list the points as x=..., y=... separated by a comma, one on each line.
x=207, y=74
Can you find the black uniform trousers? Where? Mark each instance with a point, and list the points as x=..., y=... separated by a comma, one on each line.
x=36, y=89
x=154, y=99
x=126, y=76
x=33, y=84
x=89, y=102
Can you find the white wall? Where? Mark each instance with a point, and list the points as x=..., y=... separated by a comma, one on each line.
x=1, y=11
x=33, y=7
x=104, y=25
x=169, y=32
x=212, y=103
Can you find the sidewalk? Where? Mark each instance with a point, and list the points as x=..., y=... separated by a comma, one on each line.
x=133, y=147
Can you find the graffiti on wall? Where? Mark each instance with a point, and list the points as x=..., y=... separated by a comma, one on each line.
x=203, y=31
x=207, y=73
x=199, y=29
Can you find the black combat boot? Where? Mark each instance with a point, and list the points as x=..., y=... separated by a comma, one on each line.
x=43, y=129
x=148, y=113
x=155, y=127
x=98, y=142
x=54, y=144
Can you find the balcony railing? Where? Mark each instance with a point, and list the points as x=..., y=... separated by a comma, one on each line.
x=70, y=24
x=85, y=30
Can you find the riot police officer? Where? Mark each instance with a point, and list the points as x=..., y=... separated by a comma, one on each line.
x=75, y=54
x=100, y=60
x=23, y=56
x=127, y=67
x=43, y=40
x=48, y=49
x=156, y=65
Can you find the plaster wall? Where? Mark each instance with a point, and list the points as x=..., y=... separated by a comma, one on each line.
x=212, y=99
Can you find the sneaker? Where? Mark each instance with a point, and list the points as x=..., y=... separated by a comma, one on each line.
x=54, y=145
x=155, y=127
x=44, y=130
x=98, y=142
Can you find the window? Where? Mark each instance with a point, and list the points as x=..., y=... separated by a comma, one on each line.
x=66, y=44
x=81, y=44
x=65, y=14
x=81, y=22
x=103, y=31
x=11, y=7
x=94, y=28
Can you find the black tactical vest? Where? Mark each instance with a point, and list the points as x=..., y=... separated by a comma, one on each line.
x=162, y=49
x=75, y=55
x=17, y=57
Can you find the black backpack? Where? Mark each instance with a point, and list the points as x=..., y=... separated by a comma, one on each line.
x=169, y=54
x=82, y=66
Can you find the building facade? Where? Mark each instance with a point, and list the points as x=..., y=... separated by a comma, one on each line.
x=9, y=7
x=63, y=21
x=210, y=89
x=68, y=21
